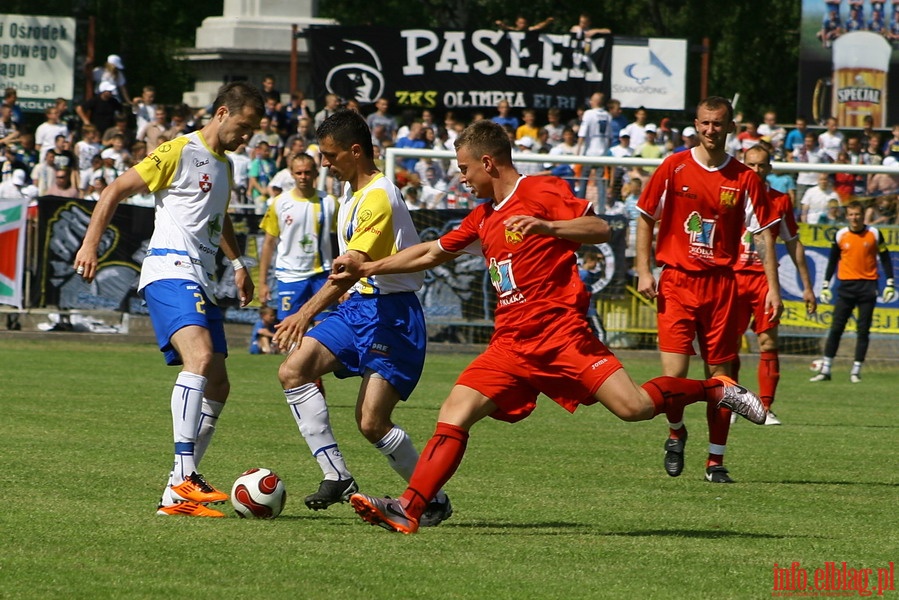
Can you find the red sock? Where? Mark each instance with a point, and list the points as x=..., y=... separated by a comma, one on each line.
x=437, y=463
x=671, y=394
x=719, y=427
x=769, y=376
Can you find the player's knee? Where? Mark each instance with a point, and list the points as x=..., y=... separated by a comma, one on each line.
x=373, y=428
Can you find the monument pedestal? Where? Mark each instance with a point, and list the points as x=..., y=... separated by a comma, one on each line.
x=250, y=40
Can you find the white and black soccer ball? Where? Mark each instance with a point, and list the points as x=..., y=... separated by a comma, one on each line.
x=258, y=494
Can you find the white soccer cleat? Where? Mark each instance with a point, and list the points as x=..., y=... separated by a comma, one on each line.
x=741, y=401
x=771, y=419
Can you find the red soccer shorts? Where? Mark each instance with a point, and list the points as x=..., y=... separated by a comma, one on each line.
x=752, y=288
x=699, y=304
x=569, y=371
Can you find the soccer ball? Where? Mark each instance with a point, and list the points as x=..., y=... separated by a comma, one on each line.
x=816, y=365
x=258, y=493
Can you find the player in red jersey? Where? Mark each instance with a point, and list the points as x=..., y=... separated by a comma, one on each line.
x=702, y=200
x=752, y=286
x=542, y=342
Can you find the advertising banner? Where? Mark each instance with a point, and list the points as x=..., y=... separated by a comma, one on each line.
x=37, y=59
x=13, y=215
x=649, y=72
x=849, y=64
x=440, y=68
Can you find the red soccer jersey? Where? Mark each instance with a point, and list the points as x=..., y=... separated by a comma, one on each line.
x=783, y=207
x=535, y=276
x=703, y=212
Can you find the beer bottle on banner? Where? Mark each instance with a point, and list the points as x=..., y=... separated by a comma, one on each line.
x=861, y=61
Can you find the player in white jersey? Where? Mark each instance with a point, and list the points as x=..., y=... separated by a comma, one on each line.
x=593, y=140
x=191, y=179
x=377, y=333
x=298, y=227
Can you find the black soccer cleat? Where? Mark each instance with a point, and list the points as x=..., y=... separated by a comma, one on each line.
x=717, y=474
x=674, y=455
x=331, y=492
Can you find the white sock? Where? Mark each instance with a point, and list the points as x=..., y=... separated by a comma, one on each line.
x=402, y=455
x=209, y=416
x=825, y=365
x=856, y=368
x=187, y=398
x=310, y=411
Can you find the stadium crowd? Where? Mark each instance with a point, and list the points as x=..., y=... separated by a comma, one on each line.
x=76, y=153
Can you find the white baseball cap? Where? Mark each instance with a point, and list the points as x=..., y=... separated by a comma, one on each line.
x=18, y=177
x=106, y=86
x=651, y=128
x=116, y=61
x=108, y=153
x=526, y=141
x=689, y=132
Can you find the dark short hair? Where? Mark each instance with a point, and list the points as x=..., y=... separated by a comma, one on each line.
x=346, y=128
x=239, y=94
x=716, y=103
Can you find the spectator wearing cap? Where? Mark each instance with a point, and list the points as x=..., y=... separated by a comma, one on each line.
x=689, y=139
x=666, y=135
x=649, y=148
x=525, y=145
x=622, y=149
x=100, y=110
x=14, y=186
x=112, y=72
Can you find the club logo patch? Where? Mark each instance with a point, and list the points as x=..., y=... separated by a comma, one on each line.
x=205, y=183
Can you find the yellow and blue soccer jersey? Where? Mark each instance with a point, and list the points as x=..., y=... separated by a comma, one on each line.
x=303, y=227
x=376, y=221
x=192, y=185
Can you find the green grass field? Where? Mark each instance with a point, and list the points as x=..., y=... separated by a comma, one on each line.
x=558, y=506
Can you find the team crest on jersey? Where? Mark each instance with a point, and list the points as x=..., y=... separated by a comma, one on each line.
x=514, y=237
x=701, y=231
x=503, y=281
x=727, y=196
x=205, y=183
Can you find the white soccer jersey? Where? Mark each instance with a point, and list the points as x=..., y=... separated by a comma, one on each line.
x=303, y=227
x=192, y=185
x=375, y=220
x=594, y=131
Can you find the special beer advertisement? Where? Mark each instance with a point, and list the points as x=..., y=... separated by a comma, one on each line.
x=849, y=62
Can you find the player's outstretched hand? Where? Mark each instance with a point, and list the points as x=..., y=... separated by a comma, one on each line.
x=289, y=333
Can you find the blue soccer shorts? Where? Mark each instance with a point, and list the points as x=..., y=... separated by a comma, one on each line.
x=384, y=333
x=292, y=295
x=178, y=303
